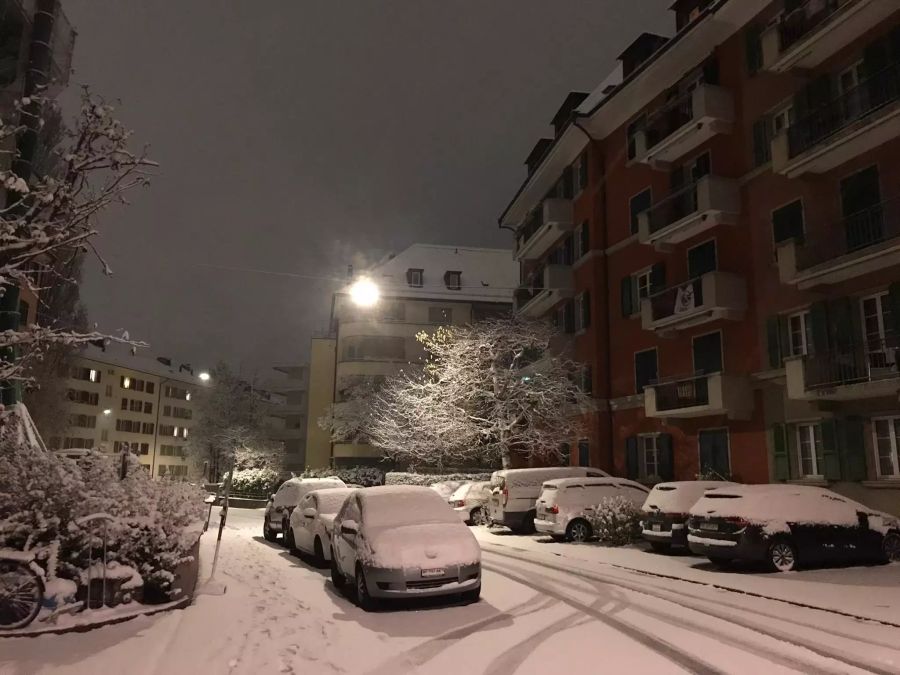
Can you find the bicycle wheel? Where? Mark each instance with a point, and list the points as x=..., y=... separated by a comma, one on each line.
x=21, y=595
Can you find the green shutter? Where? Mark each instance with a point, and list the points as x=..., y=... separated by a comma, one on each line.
x=627, y=296
x=818, y=316
x=853, y=449
x=632, y=461
x=780, y=453
x=828, y=458
x=666, y=457
x=773, y=335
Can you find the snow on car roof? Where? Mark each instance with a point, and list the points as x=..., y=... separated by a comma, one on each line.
x=330, y=500
x=679, y=496
x=524, y=477
x=404, y=504
x=591, y=480
x=778, y=504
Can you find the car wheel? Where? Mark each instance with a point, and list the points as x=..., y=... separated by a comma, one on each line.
x=268, y=534
x=471, y=597
x=890, y=547
x=528, y=523
x=289, y=540
x=319, y=553
x=363, y=599
x=660, y=547
x=337, y=577
x=285, y=526
x=477, y=517
x=782, y=556
x=578, y=530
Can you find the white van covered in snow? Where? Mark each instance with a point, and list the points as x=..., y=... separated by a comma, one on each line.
x=515, y=491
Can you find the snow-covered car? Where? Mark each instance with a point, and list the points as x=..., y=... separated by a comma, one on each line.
x=447, y=487
x=402, y=540
x=785, y=526
x=280, y=505
x=470, y=500
x=666, y=509
x=564, y=505
x=309, y=528
x=515, y=491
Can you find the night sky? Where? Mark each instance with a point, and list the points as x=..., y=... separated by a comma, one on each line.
x=297, y=136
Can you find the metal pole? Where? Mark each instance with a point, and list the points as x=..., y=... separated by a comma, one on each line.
x=103, y=597
x=222, y=517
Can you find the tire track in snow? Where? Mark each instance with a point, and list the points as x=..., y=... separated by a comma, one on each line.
x=510, y=660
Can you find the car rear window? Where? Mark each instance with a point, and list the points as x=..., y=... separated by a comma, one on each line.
x=551, y=487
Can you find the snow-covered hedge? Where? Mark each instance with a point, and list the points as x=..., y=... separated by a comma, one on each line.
x=616, y=521
x=367, y=476
x=408, y=478
x=256, y=481
x=47, y=501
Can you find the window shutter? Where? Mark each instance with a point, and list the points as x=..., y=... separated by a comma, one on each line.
x=627, y=296
x=632, y=461
x=818, y=316
x=666, y=457
x=773, y=334
x=780, y=453
x=853, y=449
x=829, y=460
x=658, y=277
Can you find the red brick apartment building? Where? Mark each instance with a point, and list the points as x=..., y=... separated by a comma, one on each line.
x=717, y=227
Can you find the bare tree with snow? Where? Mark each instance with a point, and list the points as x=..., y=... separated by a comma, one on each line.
x=488, y=391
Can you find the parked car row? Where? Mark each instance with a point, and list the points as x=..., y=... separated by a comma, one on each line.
x=381, y=542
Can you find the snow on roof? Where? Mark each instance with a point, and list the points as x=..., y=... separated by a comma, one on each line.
x=119, y=355
x=604, y=89
x=580, y=480
x=330, y=500
x=397, y=505
x=487, y=274
x=679, y=496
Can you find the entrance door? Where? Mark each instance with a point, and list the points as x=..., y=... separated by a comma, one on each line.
x=714, y=460
x=708, y=353
x=702, y=259
x=881, y=354
x=861, y=209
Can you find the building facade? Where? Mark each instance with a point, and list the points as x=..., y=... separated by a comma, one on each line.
x=286, y=411
x=716, y=229
x=421, y=288
x=119, y=402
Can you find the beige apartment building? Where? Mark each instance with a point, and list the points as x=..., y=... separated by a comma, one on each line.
x=285, y=396
x=421, y=288
x=118, y=402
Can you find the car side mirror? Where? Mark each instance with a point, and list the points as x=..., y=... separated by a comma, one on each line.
x=349, y=527
x=863, y=519
x=271, y=498
x=309, y=512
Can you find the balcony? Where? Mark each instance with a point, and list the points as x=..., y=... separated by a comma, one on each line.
x=685, y=123
x=865, y=372
x=544, y=228
x=856, y=122
x=713, y=296
x=815, y=31
x=700, y=396
x=547, y=288
x=865, y=242
x=693, y=209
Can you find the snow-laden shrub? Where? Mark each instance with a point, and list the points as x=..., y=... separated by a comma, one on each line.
x=45, y=500
x=410, y=478
x=616, y=521
x=261, y=481
x=367, y=476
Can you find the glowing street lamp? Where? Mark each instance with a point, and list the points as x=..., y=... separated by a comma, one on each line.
x=204, y=376
x=364, y=293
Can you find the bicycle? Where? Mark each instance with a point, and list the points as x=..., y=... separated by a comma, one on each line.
x=21, y=590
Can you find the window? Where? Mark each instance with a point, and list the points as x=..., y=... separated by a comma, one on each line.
x=171, y=451
x=373, y=348
x=645, y=369
x=135, y=385
x=83, y=421
x=85, y=374
x=85, y=397
x=632, y=132
x=580, y=173
x=649, y=456
x=780, y=120
x=392, y=311
x=702, y=259
x=147, y=428
x=182, y=413
x=151, y=387
x=453, y=280
x=762, y=141
x=587, y=380
x=414, y=277
x=707, y=350
x=641, y=285
x=148, y=408
x=714, y=454
x=799, y=330
x=753, y=48
x=565, y=317
x=109, y=391
x=168, y=430
x=582, y=240
x=638, y=204
x=124, y=404
x=584, y=452
x=177, y=393
x=787, y=222
x=78, y=443
x=104, y=435
x=887, y=441
x=441, y=315
x=809, y=448
x=128, y=426
x=582, y=311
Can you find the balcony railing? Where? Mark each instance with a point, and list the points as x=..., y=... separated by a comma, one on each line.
x=543, y=228
x=868, y=96
x=875, y=360
x=682, y=393
x=534, y=223
x=669, y=119
x=684, y=297
x=800, y=22
x=678, y=205
x=529, y=290
x=870, y=227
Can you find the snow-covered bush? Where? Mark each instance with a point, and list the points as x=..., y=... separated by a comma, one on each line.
x=367, y=476
x=410, y=478
x=616, y=521
x=45, y=500
x=263, y=481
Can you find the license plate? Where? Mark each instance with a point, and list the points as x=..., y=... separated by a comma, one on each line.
x=436, y=572
x=709, y=526
x=656, y=527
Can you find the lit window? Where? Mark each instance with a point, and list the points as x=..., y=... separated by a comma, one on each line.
x=94, y=376
x=187, y=396
x=126, y=383
x=809, y=445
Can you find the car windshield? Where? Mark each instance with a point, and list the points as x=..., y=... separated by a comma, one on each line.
x=397, y=510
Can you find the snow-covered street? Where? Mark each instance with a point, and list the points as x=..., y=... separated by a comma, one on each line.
x=282, y=615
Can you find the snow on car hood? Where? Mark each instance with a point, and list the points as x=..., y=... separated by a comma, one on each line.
x=422, y=546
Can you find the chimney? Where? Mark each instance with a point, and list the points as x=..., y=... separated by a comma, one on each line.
x=165, y=360
x=639, y=51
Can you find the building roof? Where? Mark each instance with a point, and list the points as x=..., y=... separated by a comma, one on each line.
x=121, y=356
x=487, y=274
